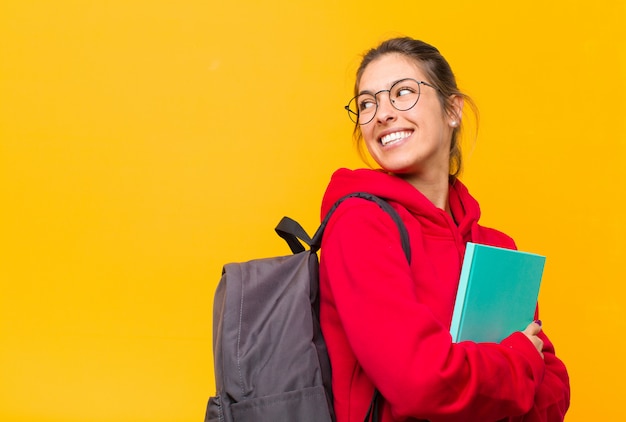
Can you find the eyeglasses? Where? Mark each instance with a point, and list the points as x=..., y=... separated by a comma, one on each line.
x=403, y=96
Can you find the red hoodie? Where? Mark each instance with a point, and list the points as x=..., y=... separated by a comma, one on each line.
x=387, y=323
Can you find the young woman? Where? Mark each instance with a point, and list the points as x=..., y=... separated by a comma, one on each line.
x=386, y=322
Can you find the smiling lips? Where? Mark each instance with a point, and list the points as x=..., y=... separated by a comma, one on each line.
x=395, y=137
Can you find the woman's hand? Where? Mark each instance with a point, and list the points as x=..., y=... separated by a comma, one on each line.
x=531, y=332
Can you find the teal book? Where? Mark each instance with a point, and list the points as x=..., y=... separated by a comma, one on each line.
x=497, y=295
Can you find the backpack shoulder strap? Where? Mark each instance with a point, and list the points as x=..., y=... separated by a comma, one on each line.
x=316, y=241
x=294, y=234
x=373, y=412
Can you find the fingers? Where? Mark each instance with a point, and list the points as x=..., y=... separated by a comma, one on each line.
x=533, y=329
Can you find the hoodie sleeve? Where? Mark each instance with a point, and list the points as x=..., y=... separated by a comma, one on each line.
x=407, y=353
x=553, y=395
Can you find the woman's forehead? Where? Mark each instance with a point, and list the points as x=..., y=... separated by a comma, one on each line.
x=382, y=72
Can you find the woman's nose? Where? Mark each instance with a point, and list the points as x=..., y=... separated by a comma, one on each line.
x=386, y=111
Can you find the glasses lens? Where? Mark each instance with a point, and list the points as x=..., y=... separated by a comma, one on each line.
x=362, y=108
x=404, y=94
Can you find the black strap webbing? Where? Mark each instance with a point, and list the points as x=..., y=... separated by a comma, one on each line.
x=291, y=230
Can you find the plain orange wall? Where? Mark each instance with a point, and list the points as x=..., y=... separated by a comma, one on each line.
x=144, y=144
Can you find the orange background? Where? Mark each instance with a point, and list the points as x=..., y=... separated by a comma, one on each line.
x=145, y=144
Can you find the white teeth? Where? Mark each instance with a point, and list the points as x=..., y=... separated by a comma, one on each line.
x=393, y=137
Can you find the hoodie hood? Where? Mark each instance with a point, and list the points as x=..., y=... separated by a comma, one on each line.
x=463, y=206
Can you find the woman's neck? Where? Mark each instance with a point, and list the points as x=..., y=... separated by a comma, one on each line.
x=436, y=190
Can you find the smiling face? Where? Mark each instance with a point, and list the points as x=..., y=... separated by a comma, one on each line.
x=413, y=144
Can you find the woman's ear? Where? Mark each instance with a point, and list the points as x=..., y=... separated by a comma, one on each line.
x=455, y=112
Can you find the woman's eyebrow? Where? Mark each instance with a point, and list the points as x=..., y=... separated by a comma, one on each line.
x=390, y=85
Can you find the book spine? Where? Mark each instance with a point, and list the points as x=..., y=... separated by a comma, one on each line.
x=459, y=304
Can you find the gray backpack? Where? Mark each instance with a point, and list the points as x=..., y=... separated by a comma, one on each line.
x=270, y=359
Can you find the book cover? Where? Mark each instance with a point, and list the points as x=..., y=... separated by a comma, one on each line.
x=497, y=294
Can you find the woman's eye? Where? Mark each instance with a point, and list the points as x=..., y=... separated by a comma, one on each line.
x=366, y=104
x=405, y=91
